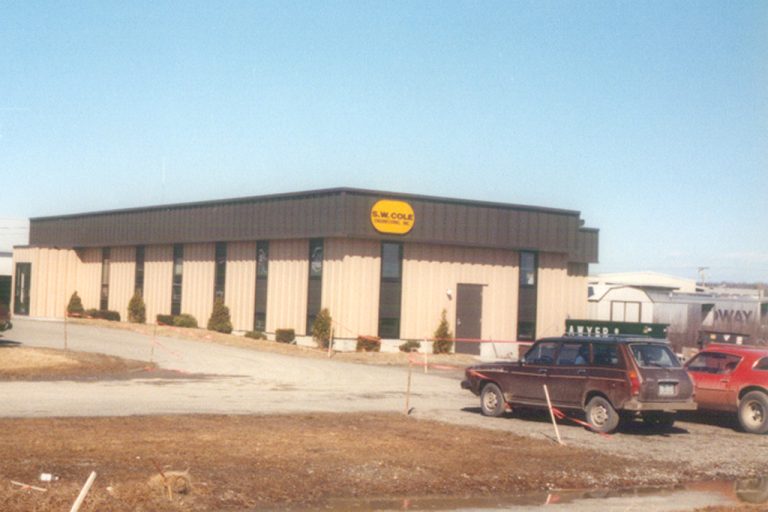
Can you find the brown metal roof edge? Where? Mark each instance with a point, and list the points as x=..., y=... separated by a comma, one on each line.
x=310, y=193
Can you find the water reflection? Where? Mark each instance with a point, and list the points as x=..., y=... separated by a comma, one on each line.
x=694, y=495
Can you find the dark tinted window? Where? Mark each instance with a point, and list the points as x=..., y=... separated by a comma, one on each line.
x=762, y=364
x=605, y=354
x=573, y=354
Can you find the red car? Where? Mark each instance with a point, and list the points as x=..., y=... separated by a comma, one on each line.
x=733, y=378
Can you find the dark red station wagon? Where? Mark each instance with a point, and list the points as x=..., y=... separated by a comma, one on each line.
x=605, y=377
x=733, y=378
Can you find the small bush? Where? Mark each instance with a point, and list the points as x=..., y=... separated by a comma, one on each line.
x=321, y=328
x=443, y=343
x=165, y=319
x=256, y=335
x=137, y=310
x=185, y=320
x=285, y=335
x=103, y=314
x=410, y=346
x=75, y=306
x=368, y=344
x=220, y=320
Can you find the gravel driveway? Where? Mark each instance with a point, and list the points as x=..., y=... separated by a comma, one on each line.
x=221, y=379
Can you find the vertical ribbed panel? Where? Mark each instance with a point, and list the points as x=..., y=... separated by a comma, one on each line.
x=240, y=287
x=89, y=277
x=158, y=278
x=122, y=272
x=197, y=284
x=351, y=274
x=288, y=284
x=52, y=280
x=429, y=271
x=559, y=295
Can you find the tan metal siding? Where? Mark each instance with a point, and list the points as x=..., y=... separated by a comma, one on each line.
x=559, y=295
x=429, y=271
x=351, y=275
x=197, y=282
x=158, y=280
x=287, y=286
x=122, y=272
x=240, y=286
x=89, y=276
x=52, y=280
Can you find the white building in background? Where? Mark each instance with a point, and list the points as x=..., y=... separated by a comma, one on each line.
x=12, y=232
x=692, y=312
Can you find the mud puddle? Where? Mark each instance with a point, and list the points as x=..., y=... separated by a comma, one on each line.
x=660, y=499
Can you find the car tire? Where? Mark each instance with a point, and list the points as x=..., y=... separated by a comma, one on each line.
x=659, y=419
x=492, y=400
x=753, y=412
x=601, y=415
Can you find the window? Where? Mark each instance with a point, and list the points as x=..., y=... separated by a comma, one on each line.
x=315, y=292
x=262, y=275
x=390, y=290
x=714, y=362
x=622, y=311
x=542, y=353
x=220, y=273
x=762, y=364
x=104, y=302
x=527, y=296
x=605, y=354
x=573, y=354
x=178, y=268
x=527, y=269
x=138, y=284
x=650, y=355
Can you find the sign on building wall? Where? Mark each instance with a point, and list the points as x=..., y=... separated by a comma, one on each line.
x=392, y=217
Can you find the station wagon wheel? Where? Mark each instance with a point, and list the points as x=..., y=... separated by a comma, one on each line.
x=753, y=412
x=601, y=415
x=492, y=400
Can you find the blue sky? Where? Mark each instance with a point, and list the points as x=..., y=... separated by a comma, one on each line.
x=651, y=118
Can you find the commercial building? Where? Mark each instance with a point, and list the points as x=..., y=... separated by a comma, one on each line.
x=383, y=264
x=694, y=314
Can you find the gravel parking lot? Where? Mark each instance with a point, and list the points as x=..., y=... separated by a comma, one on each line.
x=212, y=378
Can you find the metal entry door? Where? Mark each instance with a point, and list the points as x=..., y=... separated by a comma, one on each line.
x=21, y=293
x=469, y=317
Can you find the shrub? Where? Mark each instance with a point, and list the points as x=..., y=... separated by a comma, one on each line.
x=137, y=310
x=410, y=346
x=75, y=306
x=185, y=320
x=256, y=335
x=443, y=337
x=368, y=344
x=103, y=314
x=285, y=335
x=321, y=328
x=220, y=320
x=165, y=319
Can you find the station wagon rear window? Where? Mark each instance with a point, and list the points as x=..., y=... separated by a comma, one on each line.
x=762, y=364
x=653, y=355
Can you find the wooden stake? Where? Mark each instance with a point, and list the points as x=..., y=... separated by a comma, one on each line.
x=83, y=492
x=27, y=486
x=65, y=329
x=154, y=340
x=426, y=361
x=552, y=415
x=408, y=389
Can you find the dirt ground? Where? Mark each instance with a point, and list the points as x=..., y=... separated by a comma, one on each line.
x=278, y=462
x=243, y=462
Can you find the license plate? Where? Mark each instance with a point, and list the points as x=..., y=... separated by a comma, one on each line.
x=667, y=390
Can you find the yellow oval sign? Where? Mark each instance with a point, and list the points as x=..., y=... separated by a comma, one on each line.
x=392, y=217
